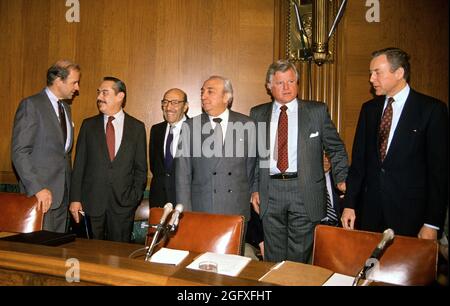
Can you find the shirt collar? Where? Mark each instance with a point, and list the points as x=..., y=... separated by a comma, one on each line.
x=119, y=116
x=224, y=116
x=54, y=99
x=401, y=96
x=178, y=124
x=290, y=105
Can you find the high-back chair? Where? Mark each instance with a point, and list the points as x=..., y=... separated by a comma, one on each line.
x=19, y=213
x=202, y=232
x=407, y=261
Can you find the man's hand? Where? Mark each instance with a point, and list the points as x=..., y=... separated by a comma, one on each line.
x=427, y=232
x=44, y=198
x=342, y=187
x=74, y=208
x=255, y=201
x=348, y=218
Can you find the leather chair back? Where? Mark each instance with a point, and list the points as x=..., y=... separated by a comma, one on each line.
x=202, y=232
x=407, y=261
x=19, y=213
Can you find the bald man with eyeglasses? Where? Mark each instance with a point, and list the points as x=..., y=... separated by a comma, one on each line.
x=163, y=139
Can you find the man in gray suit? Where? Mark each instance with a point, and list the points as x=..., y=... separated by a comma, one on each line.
x=289, y=192
x=42, y=141
x=215, y=163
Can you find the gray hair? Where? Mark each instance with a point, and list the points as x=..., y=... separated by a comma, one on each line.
x=227, y=87
x=280, y=66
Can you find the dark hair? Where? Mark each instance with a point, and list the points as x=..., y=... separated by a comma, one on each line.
x=61, y=69
x=397, y=58
x=119, y=86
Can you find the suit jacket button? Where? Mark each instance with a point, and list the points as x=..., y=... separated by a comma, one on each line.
x=382, y=170
x=215, y=191
x=214, y=173
x=230, y=191
x=229, y=173
x=167, y=174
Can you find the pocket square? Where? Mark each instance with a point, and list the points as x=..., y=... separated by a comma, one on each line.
x=314, y=134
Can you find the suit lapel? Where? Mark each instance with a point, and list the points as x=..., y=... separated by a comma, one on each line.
x=101, y=136
x=304, y=131
x=160, y=135
x=53, y=118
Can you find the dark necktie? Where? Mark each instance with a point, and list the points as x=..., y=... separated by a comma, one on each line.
x=62, y=121
x=331, y=213
x=283, y=160
x=385, y=127
x=218, y=137
x=168, y=158
x=111, y=138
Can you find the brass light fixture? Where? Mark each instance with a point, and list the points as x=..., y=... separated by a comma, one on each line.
x=309, y=35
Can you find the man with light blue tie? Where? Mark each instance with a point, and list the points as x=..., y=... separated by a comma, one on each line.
x=289, y=190
x=42, y=142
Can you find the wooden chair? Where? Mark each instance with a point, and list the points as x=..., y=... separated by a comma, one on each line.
x=19, y=213
x=407, y=261
x=203, y=232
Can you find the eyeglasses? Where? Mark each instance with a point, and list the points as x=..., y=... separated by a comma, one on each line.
x=103, y=92
x=166, y=102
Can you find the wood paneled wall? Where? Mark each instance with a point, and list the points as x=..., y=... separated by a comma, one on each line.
x=418, y=27
x=152, y=45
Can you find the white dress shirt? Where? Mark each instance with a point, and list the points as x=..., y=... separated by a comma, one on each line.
x=292, y=114
x=176, y=130
x=224, y=123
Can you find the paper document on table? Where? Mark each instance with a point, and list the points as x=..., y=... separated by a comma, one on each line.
x=339, y=280
x=169, y=256
x=227, y=264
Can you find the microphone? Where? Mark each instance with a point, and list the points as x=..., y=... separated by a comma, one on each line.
x=388, y=236
x=173, y=223
x=159, y=228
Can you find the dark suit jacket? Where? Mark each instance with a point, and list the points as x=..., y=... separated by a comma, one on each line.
x=316, y=132
x=410, y=187
x=96, y=180
x=219, y=185
x=38, y=150
x=162, y=187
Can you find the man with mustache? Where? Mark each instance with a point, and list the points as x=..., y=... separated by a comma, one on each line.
x=110, y=169
x=42, y=143
x=162, y=148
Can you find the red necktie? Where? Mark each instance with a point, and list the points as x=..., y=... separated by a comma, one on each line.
x=111, y=138
x=283, y=160
x=385, y=127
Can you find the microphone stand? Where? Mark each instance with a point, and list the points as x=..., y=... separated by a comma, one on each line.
x=159, y=228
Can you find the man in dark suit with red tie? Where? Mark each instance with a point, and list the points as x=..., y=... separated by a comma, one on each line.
x=399, y=173
x=110, y=169
x=162, y=147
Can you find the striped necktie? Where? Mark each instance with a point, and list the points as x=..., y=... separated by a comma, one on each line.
x=331, y=213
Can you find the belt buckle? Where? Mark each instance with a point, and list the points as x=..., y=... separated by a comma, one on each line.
x=284, y=176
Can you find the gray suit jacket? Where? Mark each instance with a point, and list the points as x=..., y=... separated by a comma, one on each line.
x=316, y=132
x=219, y=185
x=38, y=151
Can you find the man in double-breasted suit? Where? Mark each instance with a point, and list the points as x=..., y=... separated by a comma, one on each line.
x=110, y=169
x=289, y=193
x=164, y=138
x=215, y=166
x=42, y=142
x=399, y=173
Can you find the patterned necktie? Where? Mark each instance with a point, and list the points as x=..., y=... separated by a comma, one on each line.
x=168, y=158
x=283, y=160
x=111, y=138
x=62, y=121
x=218, y=137
x=331, y=213
x=385, y=127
